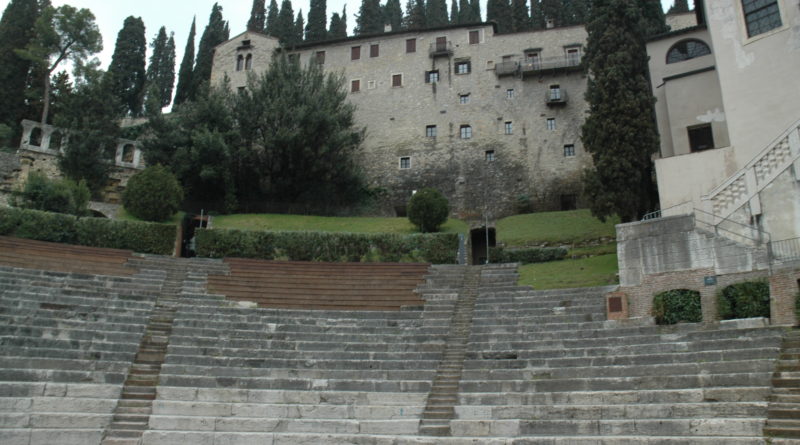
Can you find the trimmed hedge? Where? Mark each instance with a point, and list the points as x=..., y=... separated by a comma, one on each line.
x=677, y=305
x=744, y=300
x=94, y=232
x=437, y=248
x=528, y=255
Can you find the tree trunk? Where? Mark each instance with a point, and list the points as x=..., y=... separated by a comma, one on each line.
x=46, y=104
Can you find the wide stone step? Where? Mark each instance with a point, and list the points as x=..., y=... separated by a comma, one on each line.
x=631, y=411
x=297, y=384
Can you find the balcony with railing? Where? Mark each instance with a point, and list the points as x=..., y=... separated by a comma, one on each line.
x=530, y=67
x=439, y=49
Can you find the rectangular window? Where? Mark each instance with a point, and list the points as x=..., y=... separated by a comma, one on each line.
x=463, y=67
x=355, y=53
x=430, y=131
x=489, y=155
x=397, y=80
x=441, y=44
x=509, y=128
x=466, y=132
x=532, y=59
x=355, y=86
x=411, y=45
x=405, y=162
x=551, y=123
x=701, y=138
x=432, y=76
x=474, y=37
x=370, y=84
x=463, y=99
x=320, y=57
x=241, y=90
x=555, y=93
x=510, y=93
x=761, y=16
x=573, y=57
x=374, y=50
x=569, y=151
x=248, y=62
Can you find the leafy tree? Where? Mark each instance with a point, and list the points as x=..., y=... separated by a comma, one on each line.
x=215, y=33
x=63, y=33
x=370, y=18
x=537, y=15
x=126, y=74
x=61, y=91
x=182, y=91
x=453, y=11
x=272, y=19
x=338, y=29
x=499, y=11
x=161, y=71
x=16, y=32
x=257, y=16
x=520, y=20
x=620, y=131
x=415, y=14
x=428, y=209
x=53, y=195
x=653, y=16
x=299, y=25
x=153, y=194
x=679, y=6
x=284, y=27
x=436, y=13
x=393, y=14
x=317, y=21
x=552, y=10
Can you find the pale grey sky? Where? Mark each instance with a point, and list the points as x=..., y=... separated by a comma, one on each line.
x=177, y=15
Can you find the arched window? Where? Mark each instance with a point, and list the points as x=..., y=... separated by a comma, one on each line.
x=687, y=49
x=239, y=62
x=248, y=64
x=127, y=153
x=36, y=137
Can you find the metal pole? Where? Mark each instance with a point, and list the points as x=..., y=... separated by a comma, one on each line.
x=486, y=216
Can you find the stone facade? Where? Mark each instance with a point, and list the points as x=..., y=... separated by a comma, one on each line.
x=459, y=108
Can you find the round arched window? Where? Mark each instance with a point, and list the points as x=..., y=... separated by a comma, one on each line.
x=687, y=49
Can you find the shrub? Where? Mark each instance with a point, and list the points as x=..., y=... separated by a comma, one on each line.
x=677, y=305
x=744, y=300
x=528, y=255
x=53, y=195
x=153, y=194
x=328, y=246
x=94, y=232
x=428, y=210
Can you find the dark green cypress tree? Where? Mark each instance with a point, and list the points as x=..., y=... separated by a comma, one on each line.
x=182, y=91
x=453, y=11
x=257, y=16
x=370, y=18
x=464, y=11
x=537, y=15
x=520, y=20
x=284, y=27
x=126, y=74
x=620, y=130
x=436, y=13
x=299, y=25
x=476, y=11
x=16, y=32
x=499, y=11
x=161, y=71
x=215, y=33
x=552, y=10
x=679, y=6
x=338, y=29
x=393, y=14
x=653, y=16
x=317, y=21
x=272, y=19
x=415, y=14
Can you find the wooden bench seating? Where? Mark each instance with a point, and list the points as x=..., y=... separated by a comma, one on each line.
x=42, y=255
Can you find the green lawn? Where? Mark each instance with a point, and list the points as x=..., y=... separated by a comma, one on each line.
x=593, y=271
x=326, y=223
x=566, y=227
x=123, y=215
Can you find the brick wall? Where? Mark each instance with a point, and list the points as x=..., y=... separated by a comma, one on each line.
x=783, y=288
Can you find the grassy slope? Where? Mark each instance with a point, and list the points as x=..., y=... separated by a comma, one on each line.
x=326, y=223
x=553, y=227
x=123, y=215
x=594, y=271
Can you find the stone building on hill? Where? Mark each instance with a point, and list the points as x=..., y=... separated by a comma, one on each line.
x=491, y=120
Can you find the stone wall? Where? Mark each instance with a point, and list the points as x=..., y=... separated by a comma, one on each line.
x=784, y=286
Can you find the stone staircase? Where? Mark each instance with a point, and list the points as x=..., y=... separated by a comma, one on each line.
x=784, y=408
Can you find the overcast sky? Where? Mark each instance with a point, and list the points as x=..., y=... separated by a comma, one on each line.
x=177, y=15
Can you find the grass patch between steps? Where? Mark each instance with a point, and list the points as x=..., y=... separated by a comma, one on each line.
x=276, y=222
x=583, y=272
x=568, y=227
x=123, y=215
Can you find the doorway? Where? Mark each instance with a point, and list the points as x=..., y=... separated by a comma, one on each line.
x=477, y=240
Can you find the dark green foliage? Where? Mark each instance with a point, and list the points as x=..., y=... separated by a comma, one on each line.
x=338, y=28
x=520, y=20
x=620, y=131
x=370, y=18
x=161, y=71
x=16, y=32
x=475, y=6
x=415, y=14
x=436, y=13
x=126, y=74
x=284, y=26
x=299, y=25
x=215, y=33
x=153, y=194
x=53, y=195
x=183, y=90
x=553, y=10
x=537, y=15
x=316, y=29
x=464, y=12
x=393, y=14
x=140, y=237
x=527, y=255
x=679, y=6
x=499, y=11
x=653, y=16
x=272, y=19
x=328, y=246
x=258, y=16
x=61, y=87
x=5, y=136
x=453, y=11
x=428, y=209
x=677, y=305
x=744, y=300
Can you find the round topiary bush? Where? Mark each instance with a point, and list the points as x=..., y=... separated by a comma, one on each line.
x=677, y=305
x=428, y=210
x=153, y=194
x=744, y=300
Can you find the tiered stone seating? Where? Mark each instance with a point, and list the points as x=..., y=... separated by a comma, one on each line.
x=545, y=365
x=304, y=285
x=66, y=343
x=18, y=252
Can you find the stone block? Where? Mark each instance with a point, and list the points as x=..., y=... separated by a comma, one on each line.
x=249, y=424
x=181, y=423
x=177, y=438
x=243, y=439
x=385, y=427
x=15, y=436
x=66, y=437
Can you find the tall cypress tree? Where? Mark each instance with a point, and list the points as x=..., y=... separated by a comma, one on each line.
x=619, y=132
x=464, y=11
x=552, y=10
x=126, y=74
x=393, y=14
x=436, y=13
x=16, y=32
x=453, y=11
x=653, y=16
x=161, y=71
x=499, y=11
x=370, y=18
x=272, y=19
x=415, y=14
x=257, y=16
x=215, y=33
x=537, y=15
x=182, y=91
x=299, y=25
x=338, y=29
x=520, y=20
x=317, y=21
x=284, y=26
x=476, y=11
x=679, y=6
